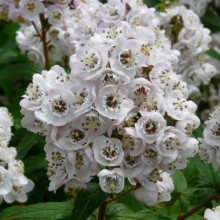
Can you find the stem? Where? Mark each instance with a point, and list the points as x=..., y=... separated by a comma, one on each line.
x=35, y=27
x=44, y=42
x=102, y=207
x=123, y=194
x=183, y=216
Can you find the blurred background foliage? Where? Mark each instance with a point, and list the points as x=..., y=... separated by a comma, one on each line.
x=197, y=187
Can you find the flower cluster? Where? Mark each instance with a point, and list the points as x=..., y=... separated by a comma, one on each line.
x=189, y=36
x=122, y=112
x=209, y=148
x=13, y=184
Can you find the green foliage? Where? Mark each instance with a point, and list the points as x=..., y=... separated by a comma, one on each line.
x=41, y=211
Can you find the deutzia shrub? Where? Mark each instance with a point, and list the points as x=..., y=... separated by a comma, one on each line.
x=14, y=185
x=122, y=111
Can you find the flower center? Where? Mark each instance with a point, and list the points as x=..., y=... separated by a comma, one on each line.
x=111, y=101
x=131, y=161
x=216, y=129
x=127, y=59
x=91, y=62
x=31, y=6
x=59, y=107
x=151, y=127
x=75, y=135
x=110, y=153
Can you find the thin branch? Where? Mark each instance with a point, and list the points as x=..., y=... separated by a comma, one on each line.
x=44, y=42
x=183, y=216
x=123, y=194
x=35, y=27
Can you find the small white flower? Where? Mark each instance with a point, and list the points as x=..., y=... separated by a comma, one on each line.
x=113, y=11
x=55, y=14
x=108, y=151
x=31, y=8
x=112, y=102
x=213, y=214
x=149, y=127
x=57, y=107
x=88, y=61
x=178, y=107
x=127, y=57
x=111, y=181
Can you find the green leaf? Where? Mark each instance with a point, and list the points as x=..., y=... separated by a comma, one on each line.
x=195, y=217
x=36, y=162
x=180, y=183
x=184, y=203
x=87, y=201
x=27, y=142
x=19, y=70
x=151, y=3
x=41, y=211
x=214, y=54
x=7, y=56
x=121, y=212
x=212, y=21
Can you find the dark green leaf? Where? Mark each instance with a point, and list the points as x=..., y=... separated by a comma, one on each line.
x=41, y=211
x=214, y=54
x=121, y=212
x=35, y=162
x=27, y=142
x=180, y=183
x=184, y=203
x=212, y=21
x=151, y=3
x=19, y=70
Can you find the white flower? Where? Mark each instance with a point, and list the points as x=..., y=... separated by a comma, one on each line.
x=213, y=214
x=111, y=181
x=33, y=124
x=178, y=107
x=171, y=142
x=70, y=137
x=5, y=181
x=132, y=166
x=19, y=192
x=108, y=151
x=31, y=8
x=57, y=107
x=212, y=131
x=113, y=11
x=112, y=102
x=188, y=124
x=55, y=14
x=127, y=57
x=149, y=127
x=88, y=62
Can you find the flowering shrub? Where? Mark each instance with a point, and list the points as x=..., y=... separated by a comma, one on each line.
x=113, y=101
